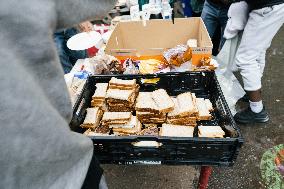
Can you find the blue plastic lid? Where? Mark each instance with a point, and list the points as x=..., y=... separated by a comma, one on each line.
x=82, y=74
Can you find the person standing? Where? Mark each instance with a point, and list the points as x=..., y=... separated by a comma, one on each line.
x=67, y=56
x=197, y=7
x=265, y=18
x=214, y=14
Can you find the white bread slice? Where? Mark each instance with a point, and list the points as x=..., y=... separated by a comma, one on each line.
x=119, y=94
x=133, y=126
x=89, y=132
x=144, y=102
x=100, y=90
x=186, y=104
x=194, y=100
x=121, y=87
x=114, y=122
x=113, y=116
x=91, y=116
x=119, y=82
x=209, y=105
x=210, y=131
x=130, y=124
x=92, y=119
x=163, y=100
x=203, y=112
x=185, y=119
x=176, y=130
x=176, y=109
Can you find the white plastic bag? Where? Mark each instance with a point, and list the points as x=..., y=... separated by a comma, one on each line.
x=231, y=87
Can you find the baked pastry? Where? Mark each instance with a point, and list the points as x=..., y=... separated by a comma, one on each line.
x=178, y=55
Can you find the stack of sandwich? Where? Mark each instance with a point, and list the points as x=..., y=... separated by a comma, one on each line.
x=152, y=107
x=210, y=131
x=121, y=95
x=122, y=123
x=204, y=107
x=176, y=130
x=98, y=99
x=92, y=119
x=150, y=131
x=185, y=111
x=99, y=131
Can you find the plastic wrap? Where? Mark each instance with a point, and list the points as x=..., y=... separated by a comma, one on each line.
x=178, y=55
x=231, y=87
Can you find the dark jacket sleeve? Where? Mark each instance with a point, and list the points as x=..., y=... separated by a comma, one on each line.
x=258, y=4
x=94, y=175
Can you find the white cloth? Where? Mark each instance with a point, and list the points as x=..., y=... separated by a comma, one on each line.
x=262, y=26
x=230, y=86
x=238, y=16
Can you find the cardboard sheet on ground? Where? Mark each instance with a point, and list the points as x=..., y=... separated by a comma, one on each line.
x=231, y=87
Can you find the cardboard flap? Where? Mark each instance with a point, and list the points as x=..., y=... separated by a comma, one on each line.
x=137, y=39
x=123, y=52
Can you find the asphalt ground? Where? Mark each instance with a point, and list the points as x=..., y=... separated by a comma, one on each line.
x=246, y=171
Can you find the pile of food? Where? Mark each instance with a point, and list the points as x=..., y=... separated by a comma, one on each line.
x=178, y=58
x=121, y=95
x=118, y=109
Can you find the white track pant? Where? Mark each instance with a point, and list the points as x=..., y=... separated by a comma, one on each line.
x=261, y=27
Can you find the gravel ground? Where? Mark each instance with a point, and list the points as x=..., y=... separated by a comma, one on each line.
x=259, y=137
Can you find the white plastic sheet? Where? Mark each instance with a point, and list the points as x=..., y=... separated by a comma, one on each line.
x=231, y=87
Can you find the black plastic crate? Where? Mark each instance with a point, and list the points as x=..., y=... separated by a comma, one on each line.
x=174, y=150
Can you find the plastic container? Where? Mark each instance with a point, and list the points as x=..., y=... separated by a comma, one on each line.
x=168, y=150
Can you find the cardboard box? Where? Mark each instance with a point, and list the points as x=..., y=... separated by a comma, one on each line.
x=149, y=39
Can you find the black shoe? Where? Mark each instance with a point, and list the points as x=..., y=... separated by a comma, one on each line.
x=248, y=116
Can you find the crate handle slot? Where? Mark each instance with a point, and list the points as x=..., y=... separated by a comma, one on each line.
x=150, y=144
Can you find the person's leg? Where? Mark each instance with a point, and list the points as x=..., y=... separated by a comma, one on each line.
x=261, y=61
x=60, y=45
x=216, y=40
x=223, y=18
x=209, y=16
x=262, y=26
